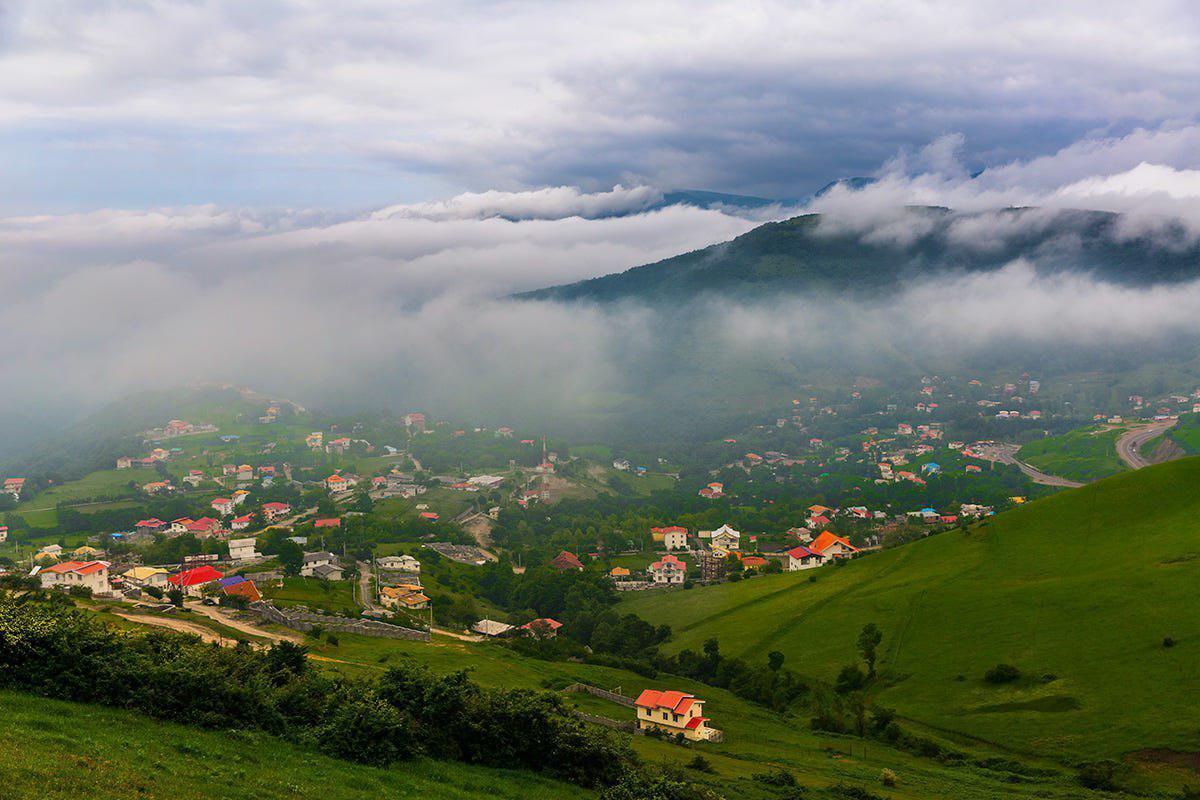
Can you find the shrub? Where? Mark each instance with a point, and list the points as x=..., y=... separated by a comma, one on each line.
x=1168, y=642
x=887, y=777
x=700, y=764
x=1097, y=775
x=1002, y=673
x=775, y=777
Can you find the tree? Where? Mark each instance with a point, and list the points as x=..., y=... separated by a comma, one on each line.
x=291, y=557
x=775, y=660
x=868, y=644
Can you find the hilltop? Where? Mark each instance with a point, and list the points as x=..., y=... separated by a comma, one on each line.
x=1079, y=591
x=817, y=253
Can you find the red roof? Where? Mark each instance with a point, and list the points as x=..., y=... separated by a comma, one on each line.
x=802, y=552
x=695, y=722
x=245, y=589
x=552, y=624
x=334, y=522
x=275, y=507
x=676, y=702
x=195, y=576
x=80, y=567
x=566, y=560
x=430, y=516
x=669, y=529
x=754, y=561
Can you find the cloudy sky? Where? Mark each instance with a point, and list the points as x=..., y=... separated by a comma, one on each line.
x=362, y=103
x=307, y=195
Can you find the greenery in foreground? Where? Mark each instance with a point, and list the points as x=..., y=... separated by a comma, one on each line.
x=54, y=750
x=1086, y=454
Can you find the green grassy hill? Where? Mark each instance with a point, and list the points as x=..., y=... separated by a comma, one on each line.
x=52, y=749
x=1086, y=454
x=1077, y=590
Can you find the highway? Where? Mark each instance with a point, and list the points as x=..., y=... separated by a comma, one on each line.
x=1129, y=446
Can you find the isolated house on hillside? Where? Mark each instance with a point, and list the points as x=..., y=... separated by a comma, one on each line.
x=673, y=713
x=566, y=561
x=803, y=558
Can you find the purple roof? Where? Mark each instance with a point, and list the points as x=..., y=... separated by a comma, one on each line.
x=232, y=580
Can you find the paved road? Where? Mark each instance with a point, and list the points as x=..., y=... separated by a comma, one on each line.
x=1129, y=446
x=366, y=592
x=1007, y=454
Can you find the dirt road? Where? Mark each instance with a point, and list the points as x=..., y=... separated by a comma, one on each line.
x=1129, y=446
x=216, y=615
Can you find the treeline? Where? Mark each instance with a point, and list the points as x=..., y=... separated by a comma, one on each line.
x=51, y=649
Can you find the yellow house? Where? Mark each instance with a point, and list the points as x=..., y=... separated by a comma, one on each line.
x=676, y=713
x=86, y=551
x=619, y=572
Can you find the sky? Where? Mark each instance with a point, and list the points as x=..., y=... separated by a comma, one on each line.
x=363, y=103
x=309, y=196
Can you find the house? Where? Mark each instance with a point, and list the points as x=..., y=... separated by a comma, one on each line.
x=315, y=561
x=86, y=553
x=802, y=558
x=618, y=572
x=544, y=628
x=429, y=516
x=566, y=561
x=332, y=522
x=673, y=713
x=91, y=575
x=415, y=420
x=192, y=581
x=804, y=535
x=485, y=482
x=222, y=505
x=242, y=549
x=144, y=577
x=14, y=486
x=754, y=562
x=238, y=586
x=205, y=526
x=673, y=537
x=830, y=545
x=669, y=570
x=931, y=468
x=51, y=550
x=239, y=496
x=124, y=462
x=3, y=534
x=152, y=525
x=403, y=563
x=406, y=596
x=725, y=538
x=157, y=487
x=274, y=511
x=337, y=483
x=242, y=522
x=490, y=627
x=245, y=472
x=712, y=491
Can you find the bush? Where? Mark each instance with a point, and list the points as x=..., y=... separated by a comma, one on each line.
x=887, y=777
x=775, y=777
x=1168, y=642
x=700, y=764
x=79, y=591
x=850, y=679
x=1097, y=775
x=1002, y=673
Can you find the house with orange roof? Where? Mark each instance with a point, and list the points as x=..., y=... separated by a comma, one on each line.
x=830, y=545
x=676, y=713
x=91, y=575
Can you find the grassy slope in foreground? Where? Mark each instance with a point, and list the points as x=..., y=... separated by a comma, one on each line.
x=52, y=749
x=1082, y=585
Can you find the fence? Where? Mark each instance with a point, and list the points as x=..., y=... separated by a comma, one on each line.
x=585, y=688
x=302, y=620
x=626, y=726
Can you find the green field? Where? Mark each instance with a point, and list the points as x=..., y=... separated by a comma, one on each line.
x=1077, y=590
x=1086, y=454
x=53, y=750
x=336, y=596
x=1186, y=433
x=39, y=511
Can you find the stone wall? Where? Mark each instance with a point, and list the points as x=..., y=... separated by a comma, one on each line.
x=301, y=619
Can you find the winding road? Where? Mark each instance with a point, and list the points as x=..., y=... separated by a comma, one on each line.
x=1129, y=446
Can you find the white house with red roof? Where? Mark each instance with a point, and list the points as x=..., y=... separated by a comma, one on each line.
x=222, y=505
x=192, y=581
x=672, y=712
x=803, y=558
x=91, y=575
x=14, y=486
x=668, y=570
x=241, y=523
x=274, y=511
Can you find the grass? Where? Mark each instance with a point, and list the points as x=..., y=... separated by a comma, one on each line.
x=53, y=749
x=1077, y=590
x=1086, y=454
x=337, y=596
x=1186, y=433
x=39, y=511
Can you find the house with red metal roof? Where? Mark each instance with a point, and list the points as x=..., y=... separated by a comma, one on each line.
x=91, y=575
x=676, y=713
x=273, y=511
x=803, y=558
x=669, y=569
x=192, y=581
x=565, y=561
x=544, y=628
